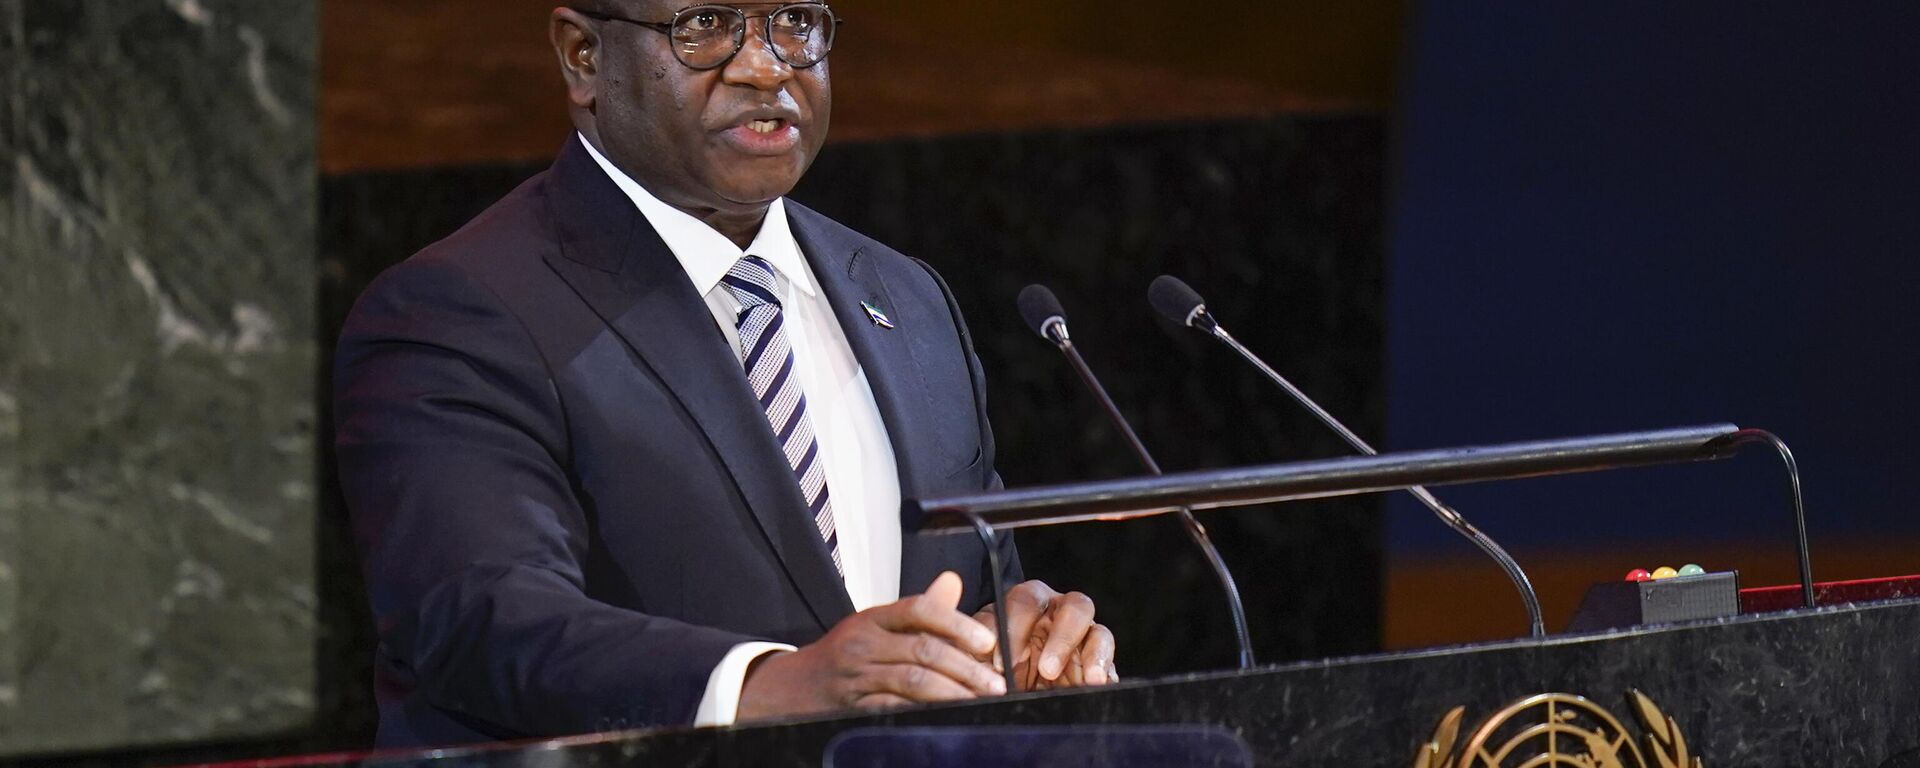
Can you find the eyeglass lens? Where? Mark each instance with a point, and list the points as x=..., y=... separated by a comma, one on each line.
x=706, y=36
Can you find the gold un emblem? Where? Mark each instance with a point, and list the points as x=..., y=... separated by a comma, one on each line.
x=1558, y=730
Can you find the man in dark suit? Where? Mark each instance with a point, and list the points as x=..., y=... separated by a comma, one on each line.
x=628, y=449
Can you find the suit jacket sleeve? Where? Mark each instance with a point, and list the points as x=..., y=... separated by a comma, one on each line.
x=452, y=446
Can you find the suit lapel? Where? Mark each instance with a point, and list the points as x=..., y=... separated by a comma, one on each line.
x=896, y=362
x=622, y=269
x=850, y=277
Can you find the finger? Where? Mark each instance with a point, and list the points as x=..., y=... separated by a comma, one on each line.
x=1026, y=604
x=1096, y=655
x=935, y=613
x=1029, y=657
x=1074, y=674
x=985, y=617
x=936, y=654
x=945, y=591
x=881, y=701
x=1025, y=676
x=1070, y=619
x=913, y=683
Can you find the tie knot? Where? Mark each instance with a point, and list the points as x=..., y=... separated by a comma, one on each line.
x=751, y=283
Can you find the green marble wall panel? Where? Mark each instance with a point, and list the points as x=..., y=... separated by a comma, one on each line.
x=12, y=221
x=157, y=371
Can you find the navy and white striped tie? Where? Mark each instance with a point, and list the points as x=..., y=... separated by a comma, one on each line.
x=768, y=360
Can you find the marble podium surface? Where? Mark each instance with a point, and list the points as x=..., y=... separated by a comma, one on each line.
x=1830, y=687
x=157, y=371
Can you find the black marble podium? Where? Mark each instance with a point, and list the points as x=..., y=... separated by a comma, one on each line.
x=1828, y=687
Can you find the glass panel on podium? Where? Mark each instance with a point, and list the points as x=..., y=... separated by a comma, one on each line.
x=1103, y=746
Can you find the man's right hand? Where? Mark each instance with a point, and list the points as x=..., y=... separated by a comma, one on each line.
x=919, y=649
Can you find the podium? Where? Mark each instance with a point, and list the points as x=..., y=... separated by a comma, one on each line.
x=1831, y=687
x=1828, y=686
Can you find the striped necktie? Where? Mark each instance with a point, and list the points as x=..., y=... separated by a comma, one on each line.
x=768, y=360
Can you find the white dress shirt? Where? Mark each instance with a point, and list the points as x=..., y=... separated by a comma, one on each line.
x=856, y=453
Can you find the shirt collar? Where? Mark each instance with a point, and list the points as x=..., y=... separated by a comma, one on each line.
x=703, y=252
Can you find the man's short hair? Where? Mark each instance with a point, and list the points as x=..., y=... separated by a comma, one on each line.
x=596, y=6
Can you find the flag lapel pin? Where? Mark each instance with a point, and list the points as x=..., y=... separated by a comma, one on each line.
x=878, y=317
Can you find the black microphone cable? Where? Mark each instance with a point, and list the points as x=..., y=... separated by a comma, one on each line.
x=1178, y=302
x=1044, y=315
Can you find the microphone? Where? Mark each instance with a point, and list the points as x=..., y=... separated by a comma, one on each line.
x=1178, y=302
x=1044, y=315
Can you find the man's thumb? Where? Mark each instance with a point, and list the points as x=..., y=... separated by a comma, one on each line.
x=945, y=591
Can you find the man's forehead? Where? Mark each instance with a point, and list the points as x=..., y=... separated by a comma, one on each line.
x=675, y=6
x=662, y=8
x=633, y=6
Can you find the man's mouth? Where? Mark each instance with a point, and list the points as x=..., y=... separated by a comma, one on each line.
x=772, y=136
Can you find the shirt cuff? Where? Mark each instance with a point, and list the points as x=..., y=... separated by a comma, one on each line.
x=721, y=703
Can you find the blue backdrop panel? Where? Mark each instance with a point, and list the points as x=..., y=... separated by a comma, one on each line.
x=1624, y=215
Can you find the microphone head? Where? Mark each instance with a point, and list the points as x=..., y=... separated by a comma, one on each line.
x=1042, y=311
x=1176, y=301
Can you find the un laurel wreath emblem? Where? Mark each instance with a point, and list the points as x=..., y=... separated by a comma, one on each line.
x=1558, y=730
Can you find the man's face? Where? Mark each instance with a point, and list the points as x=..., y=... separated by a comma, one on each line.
x=730, y=139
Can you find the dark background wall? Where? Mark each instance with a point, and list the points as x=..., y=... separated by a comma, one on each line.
x=1631, y=215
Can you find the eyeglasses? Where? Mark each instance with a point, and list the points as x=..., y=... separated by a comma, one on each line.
x=709, y=36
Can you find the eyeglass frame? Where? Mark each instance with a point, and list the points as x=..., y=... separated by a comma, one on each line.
x=740, y=38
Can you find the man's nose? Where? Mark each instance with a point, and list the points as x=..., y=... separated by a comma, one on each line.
x=756, y=66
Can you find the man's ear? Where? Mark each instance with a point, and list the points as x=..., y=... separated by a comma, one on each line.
x=577, y=43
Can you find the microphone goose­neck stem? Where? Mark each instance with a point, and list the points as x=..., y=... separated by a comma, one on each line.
x=1043, y=314
x=1536, y=623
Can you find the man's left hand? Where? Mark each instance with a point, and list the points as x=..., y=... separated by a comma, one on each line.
x=1056, y=643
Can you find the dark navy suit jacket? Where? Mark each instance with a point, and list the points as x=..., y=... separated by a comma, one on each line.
x=567, y=500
